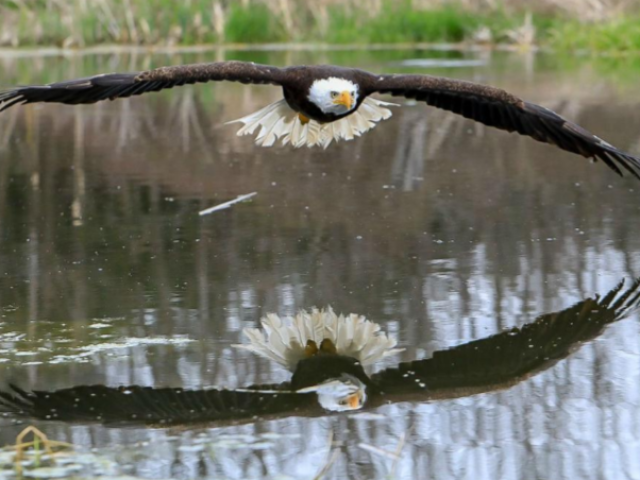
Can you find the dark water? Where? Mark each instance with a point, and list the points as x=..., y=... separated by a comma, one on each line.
x=441, y=230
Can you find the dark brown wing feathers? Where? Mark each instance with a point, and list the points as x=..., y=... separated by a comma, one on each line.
x=496, y=108
x=513, y=355
x=121, y=85
x=146, y=405
x=242, y=72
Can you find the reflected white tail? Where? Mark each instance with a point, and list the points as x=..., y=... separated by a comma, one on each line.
x=284, y=340
x=278, y=120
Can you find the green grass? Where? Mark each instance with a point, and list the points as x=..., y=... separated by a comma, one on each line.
x=80, y=23
x=253, y=24
x=617, y=36
x=398, y=22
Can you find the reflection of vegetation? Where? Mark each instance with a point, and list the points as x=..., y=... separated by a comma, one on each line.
x=45, y=458
x=142, y=234
x=38, y=437
x=570, y=25
x=622, y=70
x=441, y=238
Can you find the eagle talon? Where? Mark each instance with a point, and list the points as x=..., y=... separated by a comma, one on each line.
x=327, y=346
x=311, y=348
x=303, y=120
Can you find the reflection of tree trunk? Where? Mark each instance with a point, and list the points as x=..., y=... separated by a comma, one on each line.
x=33, y=264
x=202, y=269
x=189, y=119
x=126, y=126
x=79, y=292
x=413, y=137
x=77, y=206
x=7, y=161
x=8, y=125
x=35, y=222
x=439, y=134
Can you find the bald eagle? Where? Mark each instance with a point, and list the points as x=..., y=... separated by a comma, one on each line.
x=328, y=355
x=323, y=103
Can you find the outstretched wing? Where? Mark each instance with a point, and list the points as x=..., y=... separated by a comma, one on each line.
x=496, y=108
x=509, y=357
x=155, y=406
x=119, y=85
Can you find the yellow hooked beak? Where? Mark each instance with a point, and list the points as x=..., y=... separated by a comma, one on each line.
x=354, y=401
x=345, y=99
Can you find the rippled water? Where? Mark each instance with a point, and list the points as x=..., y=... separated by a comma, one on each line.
x=441, y=230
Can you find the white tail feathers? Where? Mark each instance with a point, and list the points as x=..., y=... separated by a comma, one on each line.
x=284, y=341
x=278, y=120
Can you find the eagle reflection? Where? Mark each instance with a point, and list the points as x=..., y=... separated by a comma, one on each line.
x=327, y=355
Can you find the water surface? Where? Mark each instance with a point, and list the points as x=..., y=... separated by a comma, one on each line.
x=442, y=230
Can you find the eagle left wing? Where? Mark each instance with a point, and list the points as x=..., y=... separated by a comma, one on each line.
x=507, y=358
x=155, y=406
x=110, y=86
x=497, y=108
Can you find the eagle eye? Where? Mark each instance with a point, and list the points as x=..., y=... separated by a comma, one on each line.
x=334, y=94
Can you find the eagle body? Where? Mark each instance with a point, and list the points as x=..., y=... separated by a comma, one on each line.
x=317, y=369
x=326, y=103
x=327, y=354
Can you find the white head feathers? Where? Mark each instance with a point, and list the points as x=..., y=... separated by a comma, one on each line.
x=326, y=92
x=342, y=394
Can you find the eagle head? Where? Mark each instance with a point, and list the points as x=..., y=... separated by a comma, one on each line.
x=339, y=381
x=337, y=96
x=341, y=394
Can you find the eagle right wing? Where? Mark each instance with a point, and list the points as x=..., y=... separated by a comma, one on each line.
x=154, y=406
x=497, y=108
x=507, y=358
x=120, y=85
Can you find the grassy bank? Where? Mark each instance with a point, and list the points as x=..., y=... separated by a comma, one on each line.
x=568, y=25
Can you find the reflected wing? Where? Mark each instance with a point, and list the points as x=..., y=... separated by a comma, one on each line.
x=509, y=357
x=146, y=405
x=120, y=85
x=497, y=108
